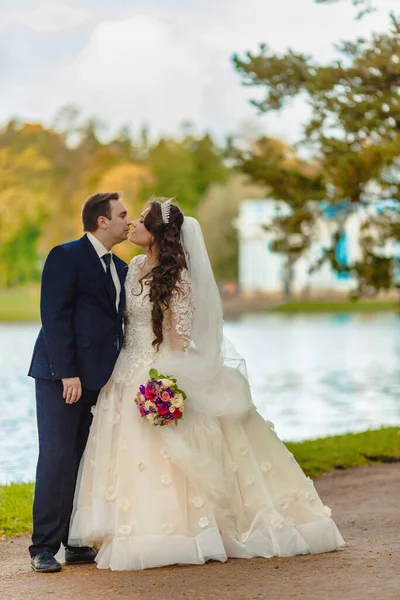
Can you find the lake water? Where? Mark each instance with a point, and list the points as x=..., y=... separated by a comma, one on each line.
x=312, y=375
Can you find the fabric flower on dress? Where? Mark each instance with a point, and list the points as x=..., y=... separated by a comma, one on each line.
x=243, y=451
x=124, y=504
x=233, y=466
x=111, y=494
x=93, y=409
x=204, y=522
x=166, y=479
x=328, y=511
x=250, y=480
x=117, y=419
x=295, y=495
x=277, y=523
x=105, y=404
x=244, y=536
x=266, y=466
x=284, y=504
x=125, y=529
x=141, y=466
x=164, y=453
x=290, y=522
x=311, y=496
x=92, y=464
x=197, y=502
x=168, y=528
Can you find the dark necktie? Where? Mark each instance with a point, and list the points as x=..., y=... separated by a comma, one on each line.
x=110, y=282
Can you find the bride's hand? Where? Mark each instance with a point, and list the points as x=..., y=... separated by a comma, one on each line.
x=72, y=389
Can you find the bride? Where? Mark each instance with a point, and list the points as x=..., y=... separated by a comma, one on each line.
x=220, y=484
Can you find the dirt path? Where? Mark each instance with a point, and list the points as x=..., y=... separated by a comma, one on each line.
x=366, y=505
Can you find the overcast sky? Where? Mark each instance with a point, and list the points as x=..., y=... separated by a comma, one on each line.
x=160, y=61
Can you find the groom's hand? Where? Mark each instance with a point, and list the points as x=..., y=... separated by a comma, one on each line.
x=72, y=389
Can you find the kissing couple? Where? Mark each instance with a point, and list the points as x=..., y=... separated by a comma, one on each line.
x=111, y=487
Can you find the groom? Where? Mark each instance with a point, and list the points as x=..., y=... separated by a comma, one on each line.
x=82, y=303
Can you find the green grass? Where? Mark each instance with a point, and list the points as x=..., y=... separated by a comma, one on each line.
x=349, y=450
x=16, y=509
x=315, y=457
x=20, y=304
x=338, y=306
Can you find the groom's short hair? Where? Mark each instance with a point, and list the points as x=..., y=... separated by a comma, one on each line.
x=97, y=205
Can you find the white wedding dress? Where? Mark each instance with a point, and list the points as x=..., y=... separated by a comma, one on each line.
x=220, y=484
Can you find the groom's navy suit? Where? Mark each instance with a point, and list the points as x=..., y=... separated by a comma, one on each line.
x=81, y=336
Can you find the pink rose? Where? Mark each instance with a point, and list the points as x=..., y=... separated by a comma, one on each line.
x=165, y=396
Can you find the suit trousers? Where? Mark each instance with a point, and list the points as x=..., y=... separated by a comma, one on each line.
x=63, y=432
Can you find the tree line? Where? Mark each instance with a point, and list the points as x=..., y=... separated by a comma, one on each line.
x=352, y=141
x=348, y=157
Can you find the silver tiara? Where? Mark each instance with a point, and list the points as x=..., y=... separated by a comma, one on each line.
x=166, y=209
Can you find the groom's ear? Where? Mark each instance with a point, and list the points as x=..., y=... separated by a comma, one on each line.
x=102, y=222
x=96, y=210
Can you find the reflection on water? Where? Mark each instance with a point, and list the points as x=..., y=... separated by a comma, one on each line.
x=312, y=375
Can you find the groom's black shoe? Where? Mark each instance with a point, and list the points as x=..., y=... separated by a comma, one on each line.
x=79, y=556
x=44, y=562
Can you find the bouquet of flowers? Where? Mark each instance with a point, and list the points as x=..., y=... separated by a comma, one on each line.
x=160, y=400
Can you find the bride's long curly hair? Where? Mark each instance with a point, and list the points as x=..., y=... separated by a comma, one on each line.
x=163, y=278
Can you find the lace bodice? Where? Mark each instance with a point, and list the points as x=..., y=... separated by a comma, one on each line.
x=138, y=349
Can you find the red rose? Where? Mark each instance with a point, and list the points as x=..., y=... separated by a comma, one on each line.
x=162, y=411
x=177, y=413
x=149, y=394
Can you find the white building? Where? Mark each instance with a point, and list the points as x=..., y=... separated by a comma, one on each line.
x=262, y=270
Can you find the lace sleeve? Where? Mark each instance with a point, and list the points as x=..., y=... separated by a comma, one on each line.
x=182, y=308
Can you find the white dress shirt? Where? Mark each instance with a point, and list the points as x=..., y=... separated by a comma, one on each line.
x=101, y=251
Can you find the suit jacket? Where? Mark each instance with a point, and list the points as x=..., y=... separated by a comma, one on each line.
x=82, y=332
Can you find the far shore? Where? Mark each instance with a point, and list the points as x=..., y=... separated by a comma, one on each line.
x=21, y=305
x=240, y=305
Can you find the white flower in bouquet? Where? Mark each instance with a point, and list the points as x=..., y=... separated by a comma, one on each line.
x=177, y=401
x=167, y=382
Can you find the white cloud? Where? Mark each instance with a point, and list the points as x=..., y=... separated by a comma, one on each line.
x=172, y=63
x=46, y=17
x=137, y=70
